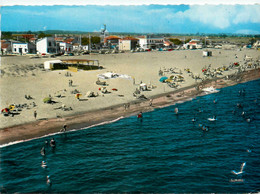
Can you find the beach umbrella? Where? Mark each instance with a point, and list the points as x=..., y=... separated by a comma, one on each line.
x=162, y=79
x=5, y=110
x=11, y=107
x=78, y=95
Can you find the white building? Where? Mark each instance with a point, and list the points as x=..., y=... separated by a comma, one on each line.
x=128, y=43
x=65, y=47
x=151, y=41
x=193, y=44
x=23, y=48
x=47, y=45
x=84, y=47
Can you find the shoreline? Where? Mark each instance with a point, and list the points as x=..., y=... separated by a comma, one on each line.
x=46, y=127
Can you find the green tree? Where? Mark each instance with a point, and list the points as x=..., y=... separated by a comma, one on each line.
x=95, y=39
x=188, y=40
x=43, y=35
x=84, y=41
x=6, y=35
x=176, y=41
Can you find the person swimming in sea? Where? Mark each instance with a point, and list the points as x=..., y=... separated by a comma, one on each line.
x=204, y=127
x=140, y=116
x=176, y=110
x=44, y=165
x=52, y=143
x=194, y=119
x=43, y=151
x=48, y=180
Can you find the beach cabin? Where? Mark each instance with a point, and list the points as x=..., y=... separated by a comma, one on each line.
x=51, y=64
x=72, y=64
x=207, y=53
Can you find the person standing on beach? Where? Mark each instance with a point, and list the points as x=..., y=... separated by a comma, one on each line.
x=151, y=102
x=64, y=128
x=35, y=114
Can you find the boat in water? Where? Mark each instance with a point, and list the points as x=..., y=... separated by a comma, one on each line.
x=210, y=90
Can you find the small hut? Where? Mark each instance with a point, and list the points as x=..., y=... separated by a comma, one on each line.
x=207, y=53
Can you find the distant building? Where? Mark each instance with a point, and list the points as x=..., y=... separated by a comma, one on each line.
x=193, y=44
x=23, y=48
x=5, y=47
x=70, y=40
x=33, y=40
x=112, y=41
x=151, y=41
x=65, y=47
x=167, y=43
x=76, y=47
x=59, y=39
x=128, y=43
x=47, y=45
x=84, y=47
x=26, y=37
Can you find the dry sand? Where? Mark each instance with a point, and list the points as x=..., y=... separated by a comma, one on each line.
x=24, y=76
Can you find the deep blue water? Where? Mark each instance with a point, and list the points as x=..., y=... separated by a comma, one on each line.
x=164, y=153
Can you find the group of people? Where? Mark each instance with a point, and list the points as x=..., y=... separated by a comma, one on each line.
x=44, y=163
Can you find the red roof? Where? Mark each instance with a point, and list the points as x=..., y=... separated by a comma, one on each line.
x=129, y=38
x=112, y=37
x=4, y=45
x=59, y=39
x=167, y=42
x=25, y=35
x=69, y=40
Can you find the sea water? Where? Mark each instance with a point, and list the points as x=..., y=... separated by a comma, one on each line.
x=166, y=152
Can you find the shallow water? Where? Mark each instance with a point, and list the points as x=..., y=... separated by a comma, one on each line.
x=164, y=153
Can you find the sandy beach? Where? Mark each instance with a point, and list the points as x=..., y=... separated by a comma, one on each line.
x=22, y=75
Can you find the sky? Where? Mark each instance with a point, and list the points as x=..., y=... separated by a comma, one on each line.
x=189, y=18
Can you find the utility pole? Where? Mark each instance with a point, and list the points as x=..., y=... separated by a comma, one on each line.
x=89, y=43
x=80, y=42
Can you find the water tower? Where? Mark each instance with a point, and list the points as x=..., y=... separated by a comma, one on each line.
x=103, y=33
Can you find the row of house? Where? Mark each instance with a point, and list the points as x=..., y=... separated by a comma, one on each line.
x=45, y=45
x=51, y=45
x=130, y=43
